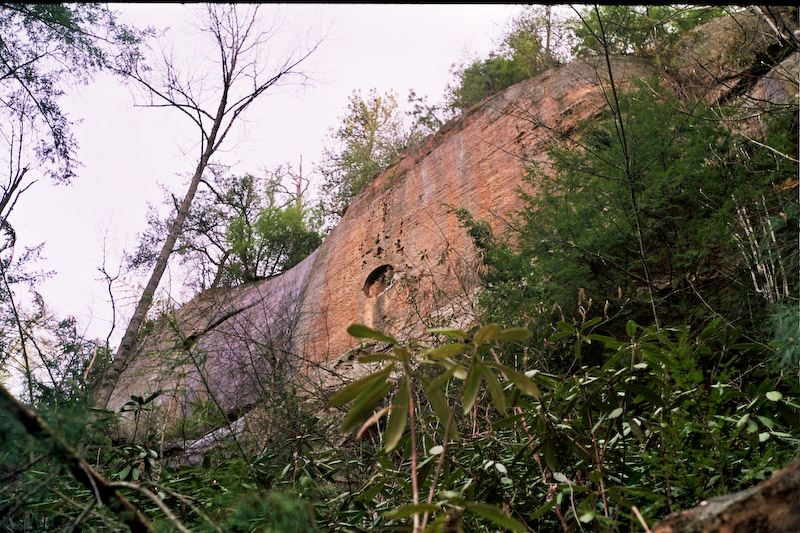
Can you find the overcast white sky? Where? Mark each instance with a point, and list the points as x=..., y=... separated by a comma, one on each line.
x=127, y=151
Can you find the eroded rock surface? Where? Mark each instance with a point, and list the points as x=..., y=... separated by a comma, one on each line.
x=398, y=260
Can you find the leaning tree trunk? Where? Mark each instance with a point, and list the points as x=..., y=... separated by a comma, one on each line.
x=112, y=373
x=234, y=37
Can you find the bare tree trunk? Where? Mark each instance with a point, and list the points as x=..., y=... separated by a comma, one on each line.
x=132, y=332
x=126, y=346
x=220, y=270
x=235, y=39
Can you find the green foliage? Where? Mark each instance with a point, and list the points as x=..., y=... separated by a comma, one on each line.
x=46, y=354
x=675, y=217
x=371, y=135
x=660, y=420
x=537, y=40
x=784, y=324
x=530, y=46
x=628, y=29
x=279, y=238
x=420, y=403
x=37, y=494
x=43, y=47
x=140, y=464
x=273, y=513
x=34, y=485
x=65, y=363
x=484, y=78
x=663, y=421
x=428, y=118
x=536, y=36
x=239, y=229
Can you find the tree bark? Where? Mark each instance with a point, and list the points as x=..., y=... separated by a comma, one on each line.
x=771, y=507
x=234, y=39
x=125, y=350
x=79, y=468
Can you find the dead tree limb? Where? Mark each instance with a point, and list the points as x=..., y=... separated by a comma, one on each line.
x=83, y=472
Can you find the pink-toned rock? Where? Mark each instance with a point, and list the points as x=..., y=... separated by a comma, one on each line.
x=398, y=260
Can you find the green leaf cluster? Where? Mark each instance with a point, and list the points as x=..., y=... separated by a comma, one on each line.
x=238, y=229
x=484, y=78
x=660, y=420
x=651, y=214
x=643, y=30
x=278, y=238
x=370, y=136
x=44, y=47
x=676, y=205
x=425, y=411
x=540, y=38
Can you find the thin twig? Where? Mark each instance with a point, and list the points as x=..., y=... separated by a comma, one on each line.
x=189, y=501
x=440, y=462
x=641, y=519
x=82, y=471
x=81, y=517
x=155, y=499
x=414, y=480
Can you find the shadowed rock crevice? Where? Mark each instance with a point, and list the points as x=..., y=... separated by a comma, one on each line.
x=378, y=281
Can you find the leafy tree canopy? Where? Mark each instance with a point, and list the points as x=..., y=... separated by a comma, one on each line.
x=280, y=237
x=44, y=50
x=538, y=39
x=531, y=45
x=631, y=29
x=484, y=78
x=43, y=47
x=239, y=228
x=371, y=134
x=685, y=208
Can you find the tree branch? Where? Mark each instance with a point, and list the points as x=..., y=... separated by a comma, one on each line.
x=80, y=469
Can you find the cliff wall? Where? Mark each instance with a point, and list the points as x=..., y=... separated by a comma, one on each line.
x=398, y=260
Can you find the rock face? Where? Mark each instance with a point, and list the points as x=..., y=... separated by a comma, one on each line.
x=398, y=260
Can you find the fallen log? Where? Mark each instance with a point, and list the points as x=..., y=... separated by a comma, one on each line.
x=770, y=507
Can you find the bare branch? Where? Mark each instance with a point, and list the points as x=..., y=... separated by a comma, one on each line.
x=235, y=40
x=155, y=499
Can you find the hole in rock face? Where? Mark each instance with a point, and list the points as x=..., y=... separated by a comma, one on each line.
x=378, y=280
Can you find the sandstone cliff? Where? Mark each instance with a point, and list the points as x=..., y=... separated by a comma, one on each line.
x=398, y=259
